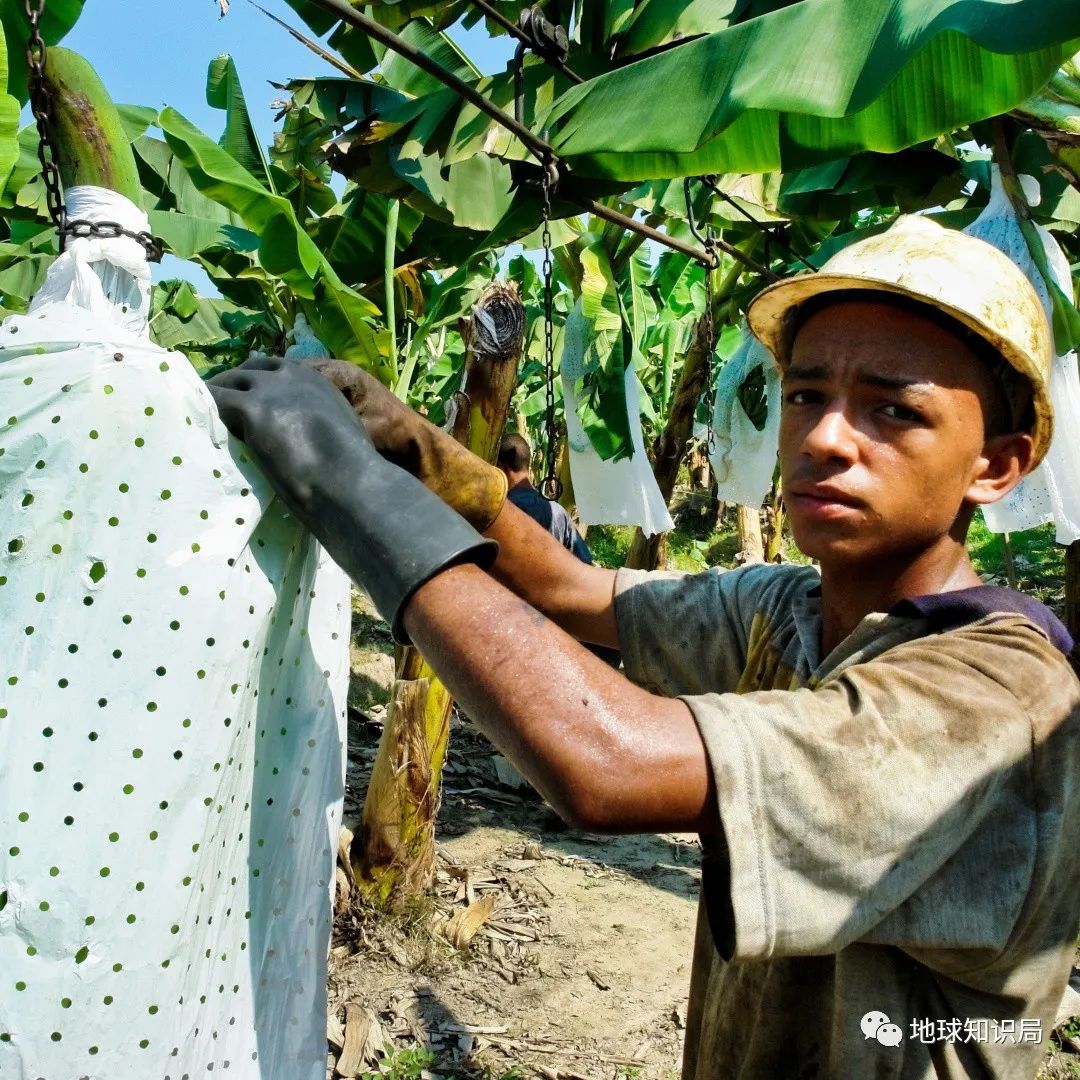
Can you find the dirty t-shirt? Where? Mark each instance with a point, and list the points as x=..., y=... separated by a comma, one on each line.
x=900, y=825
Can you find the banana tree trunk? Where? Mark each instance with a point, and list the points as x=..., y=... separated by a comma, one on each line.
x=393, y=854
x=649, y=552
x=751, y=546
x=774, y=540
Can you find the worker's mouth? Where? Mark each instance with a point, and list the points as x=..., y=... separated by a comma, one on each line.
x=825, y=502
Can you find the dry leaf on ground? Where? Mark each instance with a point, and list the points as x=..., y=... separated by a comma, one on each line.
x=463, y=926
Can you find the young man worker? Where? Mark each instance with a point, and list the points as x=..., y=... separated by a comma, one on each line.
x=883, y=763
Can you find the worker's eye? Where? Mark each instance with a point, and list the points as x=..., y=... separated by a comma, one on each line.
x=895, y=411
x=803, y=397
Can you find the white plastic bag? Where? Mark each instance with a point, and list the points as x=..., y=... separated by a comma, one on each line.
x=1052, y=491
x=743, y=458
x=172, y=709
x=305, y=345
x=621, y=492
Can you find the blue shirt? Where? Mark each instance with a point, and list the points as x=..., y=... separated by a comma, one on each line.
x=552, y=516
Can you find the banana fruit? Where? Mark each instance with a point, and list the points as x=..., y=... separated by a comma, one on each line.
x=90, y=143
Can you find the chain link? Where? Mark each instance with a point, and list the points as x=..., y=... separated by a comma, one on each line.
x=37, y=57
x=551, y=486
x=41, y=107
x=712, y=262
x=710, y=342
x=109, y=230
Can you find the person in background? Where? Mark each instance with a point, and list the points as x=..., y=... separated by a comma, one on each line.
x=515, y=458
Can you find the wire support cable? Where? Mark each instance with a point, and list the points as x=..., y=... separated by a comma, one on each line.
x=527, y=39
x=771, y=235
x=538, y=147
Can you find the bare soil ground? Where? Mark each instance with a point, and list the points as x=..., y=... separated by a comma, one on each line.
x=581, y=969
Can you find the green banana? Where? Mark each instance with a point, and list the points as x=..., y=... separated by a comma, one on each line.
x=90, y=143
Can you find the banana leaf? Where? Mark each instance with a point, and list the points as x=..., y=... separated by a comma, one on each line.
x=473, y=194
x=15, y=193
x=297, y=156
x=609, y=347
x=912, y=179
x=181, y=320
x=407, y=77
x=811, y=82
x=137, y=119
x=1065, y=317
x=1059, y=205
x=353, y=235
x=661, y=22
x=223, y=91
x=186, y=236
x=353, y=46
x=164, y=177
x=340, y=317
x=22, y=271
x=57, y=19
x=9, y=122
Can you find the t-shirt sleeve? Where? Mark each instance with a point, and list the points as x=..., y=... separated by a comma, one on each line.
x=686, y=633
x=848, y=811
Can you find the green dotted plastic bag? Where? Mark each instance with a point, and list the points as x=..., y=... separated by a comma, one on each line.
x=173, y=670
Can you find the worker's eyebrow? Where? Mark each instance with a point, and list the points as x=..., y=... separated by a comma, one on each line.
x=797, y=371
x=821, y=373
x=895, y=382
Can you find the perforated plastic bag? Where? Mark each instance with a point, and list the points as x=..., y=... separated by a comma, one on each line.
x=1052, y=491
x=621, y=492
x=744, y=458
x=172, y=707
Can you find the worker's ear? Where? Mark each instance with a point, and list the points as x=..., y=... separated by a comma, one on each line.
x=1004, y=462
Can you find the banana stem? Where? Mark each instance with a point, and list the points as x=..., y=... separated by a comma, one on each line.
x=401, y=388
x=277, y=307
x=389, y=259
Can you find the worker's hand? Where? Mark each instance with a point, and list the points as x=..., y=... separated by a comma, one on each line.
x=378, y=523
x=475, y=489
x=299, y=430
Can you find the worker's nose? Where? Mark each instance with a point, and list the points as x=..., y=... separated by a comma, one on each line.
x=832, y=437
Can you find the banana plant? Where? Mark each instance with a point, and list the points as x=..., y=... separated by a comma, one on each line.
x=828, y=153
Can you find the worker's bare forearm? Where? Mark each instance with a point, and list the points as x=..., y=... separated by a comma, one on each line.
x=606, y=754
x=535, y=566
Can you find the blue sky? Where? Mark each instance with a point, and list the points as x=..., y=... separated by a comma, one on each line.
x=161, y=59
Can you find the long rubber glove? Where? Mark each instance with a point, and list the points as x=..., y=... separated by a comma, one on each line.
x=475, y=489
x=377, y=522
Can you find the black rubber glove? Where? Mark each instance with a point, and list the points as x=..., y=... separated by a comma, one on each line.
x=378, y=523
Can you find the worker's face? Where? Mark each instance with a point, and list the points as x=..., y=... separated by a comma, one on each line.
x=882, y=445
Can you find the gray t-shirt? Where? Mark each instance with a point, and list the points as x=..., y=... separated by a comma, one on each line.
x=901, y=829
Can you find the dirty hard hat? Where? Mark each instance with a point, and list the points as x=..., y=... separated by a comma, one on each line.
x=959, y=276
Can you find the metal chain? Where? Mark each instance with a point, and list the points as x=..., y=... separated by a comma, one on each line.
x=711, y=182
x=109, y=230
x=710, y=342
x=551, y=486
x=713, y=262
x=41, y=107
